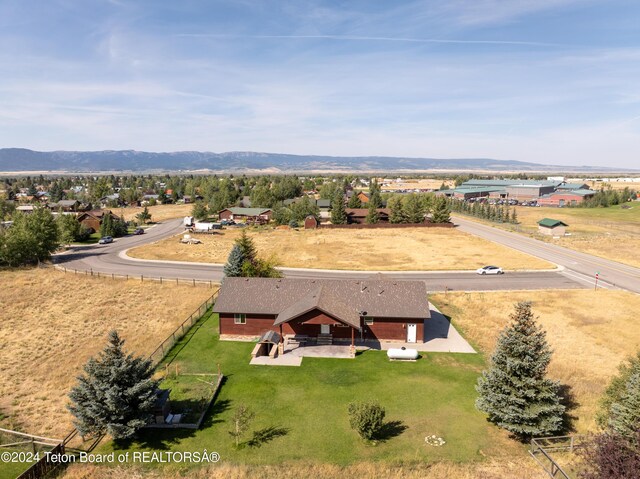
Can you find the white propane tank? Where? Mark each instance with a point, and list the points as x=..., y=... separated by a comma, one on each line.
x=406, y=354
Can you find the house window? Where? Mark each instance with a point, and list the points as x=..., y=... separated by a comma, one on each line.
x=368, y=320
x=239, y=319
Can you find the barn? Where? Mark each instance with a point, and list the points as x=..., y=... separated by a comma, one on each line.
x=324, y=310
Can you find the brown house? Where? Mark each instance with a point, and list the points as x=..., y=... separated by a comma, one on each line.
x=367, y=310
x=250, y=215
x=93, y=219
x=363, y=197
x=359, y=215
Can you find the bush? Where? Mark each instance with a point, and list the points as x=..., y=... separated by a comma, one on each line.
x=366, y=418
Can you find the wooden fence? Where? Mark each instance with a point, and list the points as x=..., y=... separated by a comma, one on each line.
x=44, y=446
x=387, y=225
x=542, y=448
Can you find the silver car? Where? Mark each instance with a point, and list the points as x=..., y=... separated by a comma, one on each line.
x=490, y=270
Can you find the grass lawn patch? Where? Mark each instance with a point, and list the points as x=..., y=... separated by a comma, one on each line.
x=301, y=412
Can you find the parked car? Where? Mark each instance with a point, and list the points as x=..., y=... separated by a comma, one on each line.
x=227, y=222
x=490, y=270
x=105, y=240
x=138, y=231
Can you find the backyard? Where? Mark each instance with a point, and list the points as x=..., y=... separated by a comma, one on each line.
x=301, y=412
x=385, y=249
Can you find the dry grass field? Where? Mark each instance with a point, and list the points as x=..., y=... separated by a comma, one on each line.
x=492, y=469
x=358, y=249
x=428, y=183
x=51, y=323
x=158, y=212
x=616, y=185
x=591, y=332
x=612, y=233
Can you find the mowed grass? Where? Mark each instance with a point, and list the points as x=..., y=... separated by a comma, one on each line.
x=51, y=323
x=590, y=332
x=612, y=233
x=358, y=249
x=308, y=406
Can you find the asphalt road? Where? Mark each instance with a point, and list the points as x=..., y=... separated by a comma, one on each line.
x=579, y=266
x=111, y=259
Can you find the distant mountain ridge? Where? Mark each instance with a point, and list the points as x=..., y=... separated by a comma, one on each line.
x=20, y=159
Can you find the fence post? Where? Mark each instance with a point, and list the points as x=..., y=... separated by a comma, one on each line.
x=194, y=281
x=160, y=279
x=112, y=276
x=141, y=278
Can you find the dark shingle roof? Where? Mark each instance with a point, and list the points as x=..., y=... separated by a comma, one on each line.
x=345, y=299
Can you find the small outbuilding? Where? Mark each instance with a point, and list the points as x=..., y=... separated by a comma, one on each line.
x=551, y=227
x=310, y=222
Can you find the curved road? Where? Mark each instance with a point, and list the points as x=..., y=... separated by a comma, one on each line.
x=580, y=266
x=112, y=259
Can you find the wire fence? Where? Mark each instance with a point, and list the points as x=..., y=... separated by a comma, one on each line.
x=165, y=346
x=131, y=277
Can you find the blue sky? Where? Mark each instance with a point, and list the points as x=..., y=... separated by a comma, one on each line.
x=548, y=81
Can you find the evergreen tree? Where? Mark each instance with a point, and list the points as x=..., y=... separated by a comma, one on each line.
x=247, y=246
x=624, y=405
x=199, y=211
x=144, y=216
x=441, y=212
x=354, y=201
x=374, y=194
x=372, y=214
x=106, y=227
x=233, y=267
x=115, y=395
x=514, y=217
x=413, y=209
x=514, y=391
x=338, y=213
x=616, y=389
x=396, y=211
x=69, y=229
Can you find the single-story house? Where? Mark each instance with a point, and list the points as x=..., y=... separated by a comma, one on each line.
x=92, y=220
x=551, y=227
x=359, y=215
x=246, y=214
x=566, y=198
x=27, y=209
x=330, y=309
x=65, y=205
x=363, y=197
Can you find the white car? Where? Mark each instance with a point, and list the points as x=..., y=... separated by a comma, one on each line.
x=490, y=270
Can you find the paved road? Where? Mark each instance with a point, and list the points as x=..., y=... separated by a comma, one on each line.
x=579, y=266
x=110, y=259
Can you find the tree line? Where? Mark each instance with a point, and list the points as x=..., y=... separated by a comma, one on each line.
x=495, y=213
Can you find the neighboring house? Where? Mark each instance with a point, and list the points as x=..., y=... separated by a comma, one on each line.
x=257, y=215
x=566, y=198
x=92, y=220
x=367, y=310
x=359, y=215
x=27, y=209
x=364, y=197
x=65, y=205
x=551, y=227
x=110, y=200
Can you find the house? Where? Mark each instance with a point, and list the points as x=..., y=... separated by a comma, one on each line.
x=337, y=309
x=359, y=215
x=92, y=220
x=363, y=197
x=27, y=209
x=566, y=198
x=66, y=205
x=111, y=200
x=550, y=227
x=251, y=215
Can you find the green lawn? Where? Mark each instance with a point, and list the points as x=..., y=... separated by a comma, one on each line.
x=305, y=408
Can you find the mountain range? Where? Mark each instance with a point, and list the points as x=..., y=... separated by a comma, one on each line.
x=24, y=160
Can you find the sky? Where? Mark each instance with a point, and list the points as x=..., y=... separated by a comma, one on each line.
x=546, y=81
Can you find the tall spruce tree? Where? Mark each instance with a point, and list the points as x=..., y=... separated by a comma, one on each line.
x=233, y=267
x=106, y=227
x=624, y=414
x=414, y=209
x=514, y=391
x=372, y=215
x=338, y=213
x=396, y=210
x=115, y=395
x=354, y=201
x=440, y=212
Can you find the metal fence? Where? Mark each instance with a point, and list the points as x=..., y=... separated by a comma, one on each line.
x=165, y=346
x=142, y=278
x=542, y=448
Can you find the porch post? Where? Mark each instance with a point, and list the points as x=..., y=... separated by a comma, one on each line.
x=352, y=349
x=281, y=343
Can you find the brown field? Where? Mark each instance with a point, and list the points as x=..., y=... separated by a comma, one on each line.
x=591, y=332
x=158, y=212
x=492, y=469
x=612, y=233
x=358, y=249
x=428, y=183
x=616, y=185
x=52, y=322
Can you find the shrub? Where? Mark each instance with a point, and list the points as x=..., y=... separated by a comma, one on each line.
x=366, y=418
